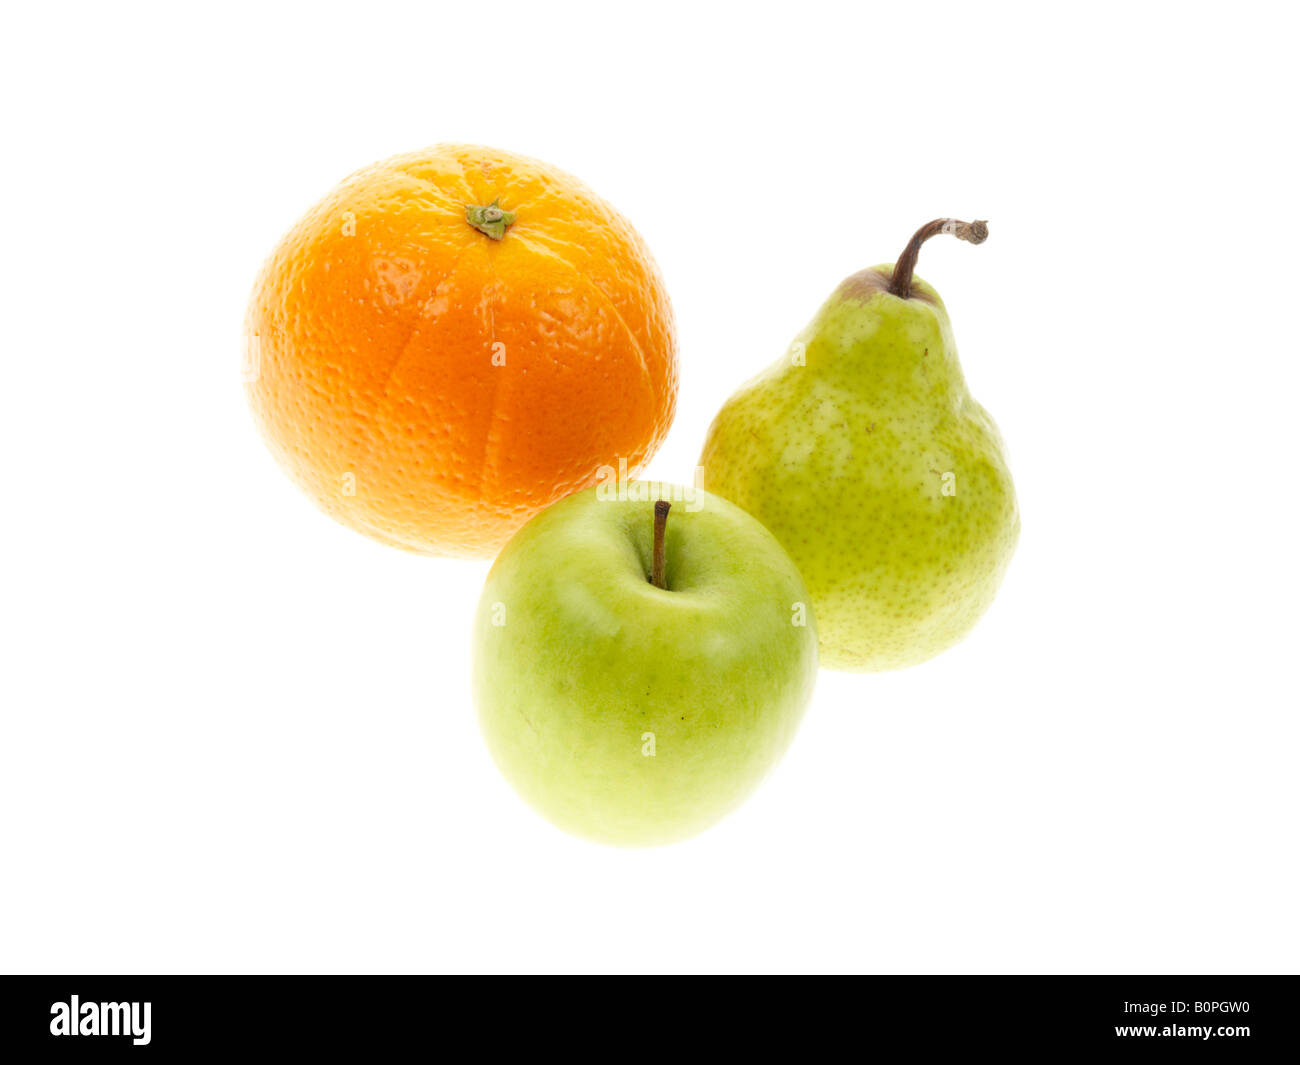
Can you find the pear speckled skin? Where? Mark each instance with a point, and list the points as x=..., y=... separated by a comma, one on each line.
x=863, y=452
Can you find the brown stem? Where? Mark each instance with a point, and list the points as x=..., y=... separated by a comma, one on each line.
x=975, y=232
x=661, y=523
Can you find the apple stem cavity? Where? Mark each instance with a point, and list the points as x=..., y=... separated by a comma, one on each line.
x=974, y=232
x=657, y=564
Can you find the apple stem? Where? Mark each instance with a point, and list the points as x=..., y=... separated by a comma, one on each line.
x=975, y=232
x=661, y=523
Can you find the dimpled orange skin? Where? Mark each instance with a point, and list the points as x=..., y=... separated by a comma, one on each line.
x=434, y=388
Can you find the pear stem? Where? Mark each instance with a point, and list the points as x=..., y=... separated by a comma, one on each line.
x=974, y=232
x=661, y=523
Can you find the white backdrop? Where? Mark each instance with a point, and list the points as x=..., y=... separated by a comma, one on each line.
x=238, y=737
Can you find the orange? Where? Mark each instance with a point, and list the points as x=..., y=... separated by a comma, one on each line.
x=453, y=340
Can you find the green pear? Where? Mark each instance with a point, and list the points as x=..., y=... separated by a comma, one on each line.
x=864, y=454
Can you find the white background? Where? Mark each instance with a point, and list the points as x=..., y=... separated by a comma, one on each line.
x=238, y=737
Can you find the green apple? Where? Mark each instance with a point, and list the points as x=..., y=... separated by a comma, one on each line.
x=629, y=713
